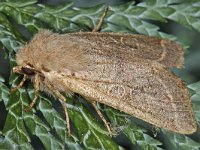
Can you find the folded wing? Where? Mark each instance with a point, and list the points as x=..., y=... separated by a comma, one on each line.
x=127, y=47
x=144, y=89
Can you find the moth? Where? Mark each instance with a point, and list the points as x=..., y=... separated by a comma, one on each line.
x=128, y=72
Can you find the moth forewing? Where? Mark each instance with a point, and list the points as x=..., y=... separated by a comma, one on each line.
x=121, y=75
x=127, y=47
x=144, y=89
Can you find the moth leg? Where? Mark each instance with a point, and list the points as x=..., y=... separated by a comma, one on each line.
x=36, y=88
x=66, y=116
x=155, y=130
x=102, y=118
x=20, y=84
x=62, y=100
x=98, y=27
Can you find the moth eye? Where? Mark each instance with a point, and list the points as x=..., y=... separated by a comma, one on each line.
x=27, y=71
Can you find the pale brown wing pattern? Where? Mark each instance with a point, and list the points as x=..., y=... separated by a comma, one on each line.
x=129, y=46
x=75, y=51
x=144, y=89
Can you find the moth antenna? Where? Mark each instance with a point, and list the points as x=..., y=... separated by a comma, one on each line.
x=102, y=118
x=98, y=27
x=20, y=84
x=36, y=88
x=62, y=100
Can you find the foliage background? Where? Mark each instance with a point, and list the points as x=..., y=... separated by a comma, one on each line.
x=44, y=126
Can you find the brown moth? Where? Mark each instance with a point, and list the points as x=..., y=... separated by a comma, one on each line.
x=125, y=71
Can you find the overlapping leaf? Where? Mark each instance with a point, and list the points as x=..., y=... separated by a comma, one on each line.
x=136, y=134
x=177, y=141
x=196, y=99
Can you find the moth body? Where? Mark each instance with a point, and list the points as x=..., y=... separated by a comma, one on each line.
x=127, y=72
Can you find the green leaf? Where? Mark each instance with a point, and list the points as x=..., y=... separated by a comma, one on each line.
x=178, y=141
x=185, y=13
x=4, y=91
x=196, y=99
x=196, y=88
x=7, y=38
x=134, y=133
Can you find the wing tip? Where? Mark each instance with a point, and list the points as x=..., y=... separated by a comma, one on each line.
x=187, y=128
x=175, y=53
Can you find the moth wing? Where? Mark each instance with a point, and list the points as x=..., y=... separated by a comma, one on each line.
x=127, y=47
x=77, y=50
x=144, y=89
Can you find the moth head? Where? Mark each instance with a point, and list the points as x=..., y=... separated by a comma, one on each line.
x=24, y=69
